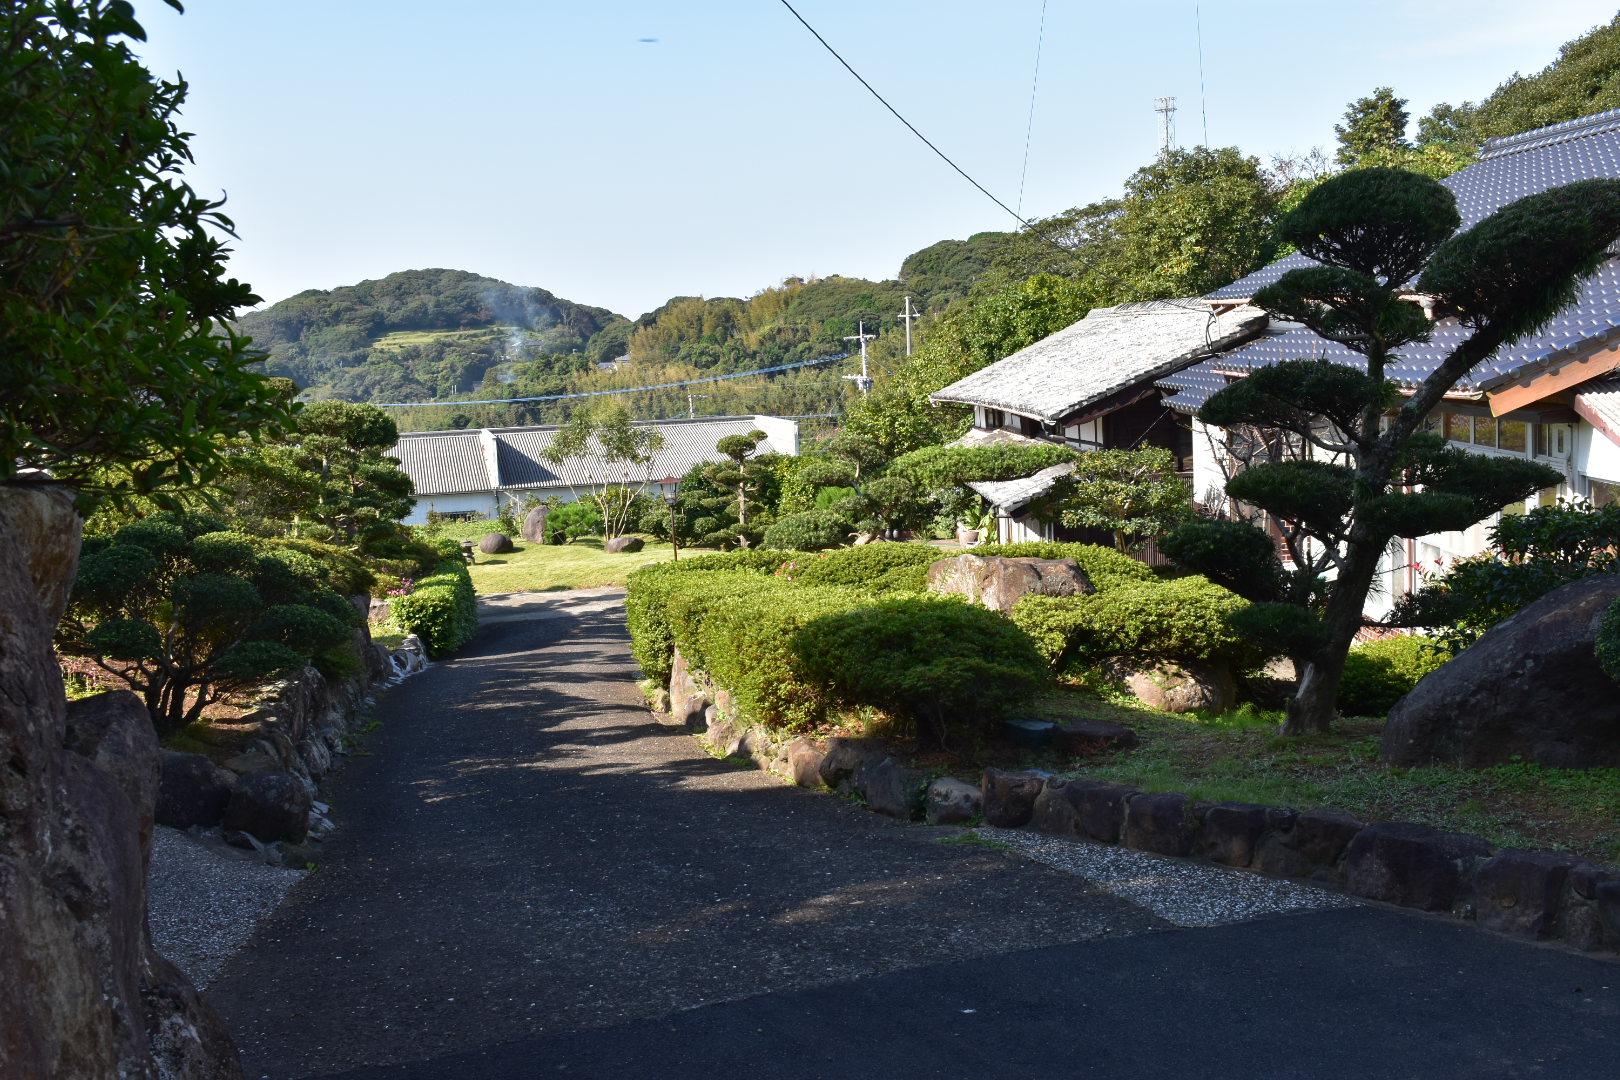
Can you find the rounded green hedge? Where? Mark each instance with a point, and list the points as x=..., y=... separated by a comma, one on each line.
x=1379, y=673
x=442, y=610
x=808, y=530
x=1180, y=619
x=863, y=566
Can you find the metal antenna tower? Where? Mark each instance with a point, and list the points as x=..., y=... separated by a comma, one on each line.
x=906, y=317
x=863, y=380
x=1166, y=108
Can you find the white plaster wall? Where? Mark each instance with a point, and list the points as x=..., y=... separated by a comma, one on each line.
x=784, y=433
x=480, y=502
x=1209, y=480
x=1595, y=455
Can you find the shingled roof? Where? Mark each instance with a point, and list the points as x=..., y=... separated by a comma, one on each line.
x=1506, y=170
x=1107, y=351
x=504, y=459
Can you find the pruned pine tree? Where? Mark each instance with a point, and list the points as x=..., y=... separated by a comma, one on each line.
x=1375, y=473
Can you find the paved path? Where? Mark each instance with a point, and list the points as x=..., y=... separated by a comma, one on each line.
x=531, y=879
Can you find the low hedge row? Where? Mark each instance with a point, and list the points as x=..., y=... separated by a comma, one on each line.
x=1180, y=619
x=863, y=567
x=652, y=639
x=442, y=610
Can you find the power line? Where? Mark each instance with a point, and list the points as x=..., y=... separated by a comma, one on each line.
x=1203, y=108
x=909, y=125
x=623, y=390
x=1029, y=129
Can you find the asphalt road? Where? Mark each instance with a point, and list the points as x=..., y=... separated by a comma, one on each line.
x=531, y=879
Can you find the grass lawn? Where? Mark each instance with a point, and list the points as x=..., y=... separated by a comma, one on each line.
x=1239, y=756
x=581, y=564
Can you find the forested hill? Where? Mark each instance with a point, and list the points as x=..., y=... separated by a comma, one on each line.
x=421, y=334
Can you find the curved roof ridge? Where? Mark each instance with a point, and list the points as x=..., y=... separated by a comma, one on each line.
x=1503, y=145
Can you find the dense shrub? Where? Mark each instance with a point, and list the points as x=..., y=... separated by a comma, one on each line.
x=442, y=610
x=1607, y=645
x=809, y=530
x=864, y=565
x=1181, y=619
x=1380, y=673
x=902, y=579
x=935, y=467
x=1105, y=567
x=647, y=603
x=573, y=520
x=954, y=668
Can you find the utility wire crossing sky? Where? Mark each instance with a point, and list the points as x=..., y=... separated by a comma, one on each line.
x=622, y=154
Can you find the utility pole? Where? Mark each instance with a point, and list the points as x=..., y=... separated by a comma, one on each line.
x=691, y=407
x=906, y=316
x=863, y=380
x=1166, y=108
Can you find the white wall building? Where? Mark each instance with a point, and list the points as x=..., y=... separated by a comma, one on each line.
x=474, y=472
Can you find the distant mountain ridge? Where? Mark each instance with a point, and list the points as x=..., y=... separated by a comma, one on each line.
x=418, y=334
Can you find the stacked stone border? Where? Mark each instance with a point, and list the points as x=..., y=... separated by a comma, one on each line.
x=1541, y=896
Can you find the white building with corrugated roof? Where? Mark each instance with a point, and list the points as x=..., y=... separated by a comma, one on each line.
x=474, y=472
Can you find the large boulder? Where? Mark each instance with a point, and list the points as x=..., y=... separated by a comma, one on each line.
x=998, y=582
x=192, y=790
x=271, y=806
x=495, y=543
x=623, y=545
x=1529, y=689
x=1179, y=686
x=81, y=991
x=534, y=525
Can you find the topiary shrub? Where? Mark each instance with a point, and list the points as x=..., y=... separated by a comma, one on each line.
x=574, y=520
x=936, y=467
x=1379, y=673
x=1180, y=619
x=862, y=566
x=1105, y=567
x=954, y=668
x=809, y=530
x=442, y=610
x=649, y=588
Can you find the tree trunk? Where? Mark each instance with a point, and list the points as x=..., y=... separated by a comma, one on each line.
x=1315, y=700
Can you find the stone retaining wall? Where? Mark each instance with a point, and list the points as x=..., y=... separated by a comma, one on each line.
x=1538, y=895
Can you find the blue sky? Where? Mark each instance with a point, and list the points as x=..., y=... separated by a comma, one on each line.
x=544, y=144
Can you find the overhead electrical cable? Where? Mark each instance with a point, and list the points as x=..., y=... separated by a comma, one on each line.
x=622, y=390
x=1034, y=85
x=909, y=125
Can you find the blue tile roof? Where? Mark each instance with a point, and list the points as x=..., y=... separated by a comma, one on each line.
x=1508, y=169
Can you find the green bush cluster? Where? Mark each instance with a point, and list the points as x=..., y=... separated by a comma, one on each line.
x=954, y=668
x=808, y=530
x=573, y=520
x=652, y=638
x=1380, y=673
x=865, y=566
x=785, y=649
x=936, y=467
x=1106, y=567
x=442, y=610
x=1180, y=619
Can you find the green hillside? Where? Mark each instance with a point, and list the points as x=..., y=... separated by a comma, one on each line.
x=421, y=334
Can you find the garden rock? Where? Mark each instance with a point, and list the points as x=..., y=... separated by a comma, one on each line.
x=192, y=790
x=495, y=543
x=534, y=526
x=1087, y=737
x=998, y=582
x=1529, y=688
x=82, y=993
x=1163, y=824
x=271, y=806
x=804, y=760
x=1607, y=895
x=1009, y=797
x=1305, y=844
x=1231, y=832
x=688, y=703
x=1101, y=808
x=623, y=544
x=723, y=733
x=951, y=802
x=1519, y=892
x=843, y=758
x=892, y=789
x=1179, y=686
x=1412, y=865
